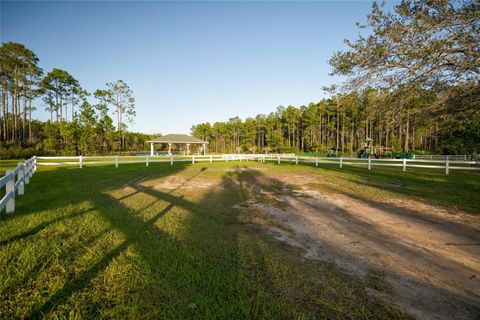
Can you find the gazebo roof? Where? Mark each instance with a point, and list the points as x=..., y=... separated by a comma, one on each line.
x=177, y=138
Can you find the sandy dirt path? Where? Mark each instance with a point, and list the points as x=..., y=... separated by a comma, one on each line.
x=430, y=258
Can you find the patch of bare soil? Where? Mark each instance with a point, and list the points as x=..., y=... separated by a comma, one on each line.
x=244, y=169
x=429, y=257
x=179, y=182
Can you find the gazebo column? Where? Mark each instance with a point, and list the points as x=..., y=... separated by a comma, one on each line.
x=151, y=149
x=169, y=149
x=188, y=148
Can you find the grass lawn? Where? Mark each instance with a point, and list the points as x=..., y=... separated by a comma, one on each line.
x=166, y=242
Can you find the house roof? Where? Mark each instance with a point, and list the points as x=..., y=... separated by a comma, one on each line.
x=177, y=138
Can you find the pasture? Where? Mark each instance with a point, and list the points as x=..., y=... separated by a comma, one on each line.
x=242, y=240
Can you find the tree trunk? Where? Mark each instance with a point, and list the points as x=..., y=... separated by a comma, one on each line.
x=13, y=118
x=413, y=136
x=352, y=135
x=337, y=138
x=56, y=107
x=30, y=140
x=387, y=134
x=343, y=132
x=4, y=112
x=407, y=133
x=24, y=116
x=61, y=108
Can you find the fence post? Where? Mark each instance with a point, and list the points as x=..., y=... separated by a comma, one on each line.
x=10, y=187
x=28, y=165
x=316, y=161
x=210, y=158
x=446, y=166
x=296, y=160
x=21, y=175
x=341, y=162
x=404, y=164
x=171, y=159
x=146, y=162
x=80, y=159
x=369, y=163
x=193, y=159
x=116, y=161
x=278, y=158
x=34, y=164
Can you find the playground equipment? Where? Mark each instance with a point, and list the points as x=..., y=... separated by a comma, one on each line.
x=367, y=150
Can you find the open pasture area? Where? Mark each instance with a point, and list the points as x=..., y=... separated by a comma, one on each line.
x=242, y=240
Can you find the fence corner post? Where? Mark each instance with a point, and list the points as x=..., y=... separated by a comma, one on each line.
x=34, y=163
x=80, y=160
x=446, y=166
x=369, y=163
x=404, y=164
x=21, y=178
x=10, y=188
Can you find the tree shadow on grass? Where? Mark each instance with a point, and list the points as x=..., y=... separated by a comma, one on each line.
x=42, y=226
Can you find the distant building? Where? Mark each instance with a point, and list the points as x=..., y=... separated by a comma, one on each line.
x=178, y=139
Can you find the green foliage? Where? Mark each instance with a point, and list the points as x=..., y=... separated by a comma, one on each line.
x=426, y=54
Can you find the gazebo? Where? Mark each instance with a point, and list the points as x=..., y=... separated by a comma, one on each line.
x=177, y=139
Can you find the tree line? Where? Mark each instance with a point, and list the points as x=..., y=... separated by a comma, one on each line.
x=412, y=85
x=340, y=124
x=75, y=126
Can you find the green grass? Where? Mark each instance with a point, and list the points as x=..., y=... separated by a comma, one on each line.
x=8, y=165
x=100, y=243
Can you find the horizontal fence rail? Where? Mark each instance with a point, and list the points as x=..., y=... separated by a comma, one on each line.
x=464, y=157
x=447, y=164
x=14, y=182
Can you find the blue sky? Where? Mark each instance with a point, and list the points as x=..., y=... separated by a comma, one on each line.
x=189, y=62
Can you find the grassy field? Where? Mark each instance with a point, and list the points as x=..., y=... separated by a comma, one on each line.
x=106, y=242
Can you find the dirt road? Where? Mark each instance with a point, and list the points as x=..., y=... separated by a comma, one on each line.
x=421, y=257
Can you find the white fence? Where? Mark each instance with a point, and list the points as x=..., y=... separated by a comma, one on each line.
x=446, y=165
x=464, y=157
x=14, y=182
